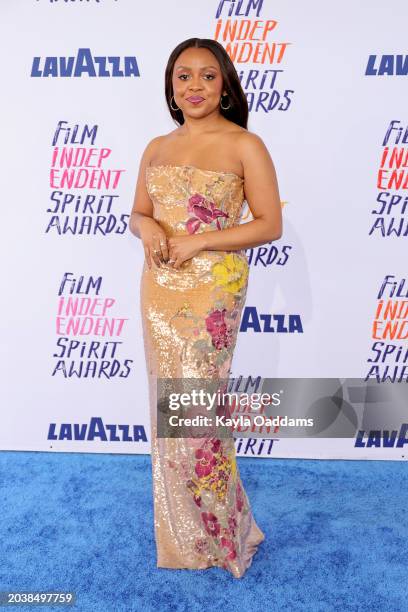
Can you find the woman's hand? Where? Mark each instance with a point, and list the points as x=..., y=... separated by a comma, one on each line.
x=182, y=248
x=154, y=242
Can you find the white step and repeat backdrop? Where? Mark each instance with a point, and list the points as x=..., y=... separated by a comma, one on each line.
x=83, y=93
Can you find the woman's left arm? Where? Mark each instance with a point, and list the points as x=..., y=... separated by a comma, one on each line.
x=261, y=193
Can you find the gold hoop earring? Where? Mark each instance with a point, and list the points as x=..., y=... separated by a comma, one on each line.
x=175, y=109
x=224, y=107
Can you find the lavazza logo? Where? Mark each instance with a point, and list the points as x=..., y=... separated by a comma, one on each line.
x=97, y=431
x=84, y=63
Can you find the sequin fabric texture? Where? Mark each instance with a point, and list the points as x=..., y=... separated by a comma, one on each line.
x=190, y=320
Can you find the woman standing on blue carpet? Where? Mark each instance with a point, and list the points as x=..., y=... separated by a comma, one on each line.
x=189, y=198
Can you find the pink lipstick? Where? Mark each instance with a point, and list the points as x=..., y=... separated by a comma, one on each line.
x=195, y=99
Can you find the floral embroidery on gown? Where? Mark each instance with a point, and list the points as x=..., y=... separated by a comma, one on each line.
x=190, y=320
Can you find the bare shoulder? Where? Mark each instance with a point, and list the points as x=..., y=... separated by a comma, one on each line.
x=159, y=143
x=153, y=145
x=256, y=160
x=254, y=154
x=250, y=144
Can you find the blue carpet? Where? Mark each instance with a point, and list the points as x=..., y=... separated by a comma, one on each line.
x=336, y=536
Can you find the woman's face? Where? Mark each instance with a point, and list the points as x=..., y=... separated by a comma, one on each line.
x=197, y=82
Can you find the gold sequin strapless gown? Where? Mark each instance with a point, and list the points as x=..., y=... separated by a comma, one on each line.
x=190, y=319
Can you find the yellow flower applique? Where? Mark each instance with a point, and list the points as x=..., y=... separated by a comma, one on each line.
x=231, y=273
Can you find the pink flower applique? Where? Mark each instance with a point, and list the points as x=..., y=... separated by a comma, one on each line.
x=229, y=544
x=232, y=525
x=215, y=445
x=205, y=463
x=211, y=523
x=202, y=211
x=240, y=498
x=217, y=327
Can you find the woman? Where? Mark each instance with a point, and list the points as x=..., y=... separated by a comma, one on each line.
x=188, y=201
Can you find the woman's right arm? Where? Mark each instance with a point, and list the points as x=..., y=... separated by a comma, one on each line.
x=141, y=222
